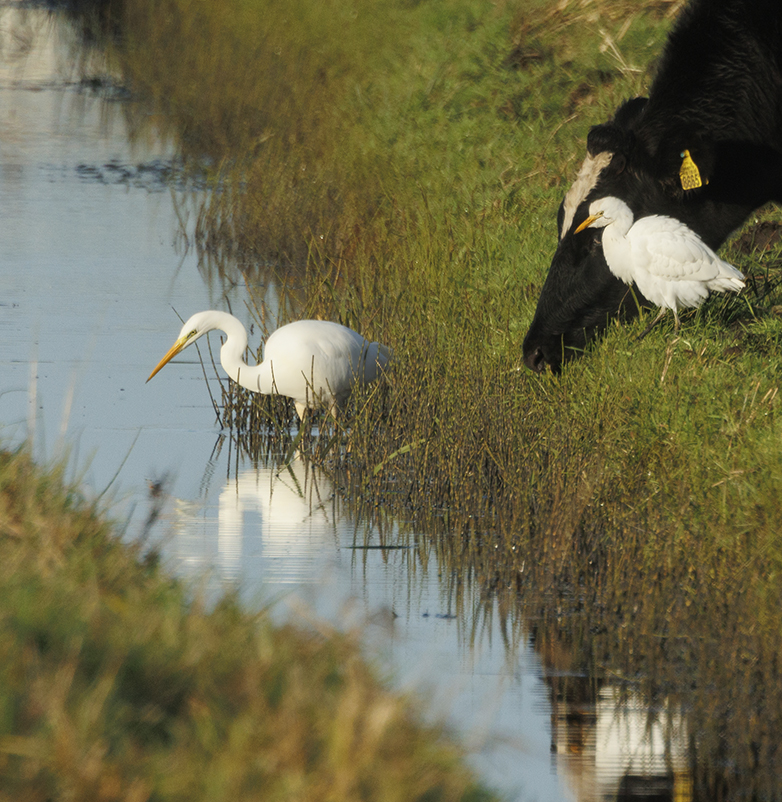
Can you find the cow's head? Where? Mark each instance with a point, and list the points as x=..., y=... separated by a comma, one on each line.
x=630, y=159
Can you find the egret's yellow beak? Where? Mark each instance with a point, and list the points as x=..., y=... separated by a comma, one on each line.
x=588, y=222
x=172, y=352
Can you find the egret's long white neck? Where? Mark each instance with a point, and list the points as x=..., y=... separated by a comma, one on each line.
x=254, y=377
x=616, y=246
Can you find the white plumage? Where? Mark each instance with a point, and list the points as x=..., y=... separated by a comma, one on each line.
x=669, y=263
x=314, y=362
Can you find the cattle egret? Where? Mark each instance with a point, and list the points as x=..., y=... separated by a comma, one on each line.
x=314, y=362
x=670, y=264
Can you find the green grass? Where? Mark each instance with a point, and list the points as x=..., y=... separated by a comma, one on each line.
x=406, y=182
x=117, y=682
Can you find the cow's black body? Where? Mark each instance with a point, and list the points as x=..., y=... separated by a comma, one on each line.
x=717, y=93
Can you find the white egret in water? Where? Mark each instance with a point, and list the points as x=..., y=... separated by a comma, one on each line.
x=671, y=265
x=314, y=362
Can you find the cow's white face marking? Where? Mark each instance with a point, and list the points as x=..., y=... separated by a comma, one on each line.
x=585, y=182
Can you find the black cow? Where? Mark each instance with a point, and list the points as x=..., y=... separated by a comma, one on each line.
x=717, y=94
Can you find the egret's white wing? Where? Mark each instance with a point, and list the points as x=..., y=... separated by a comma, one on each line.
x=668, y=249
x=313, y=359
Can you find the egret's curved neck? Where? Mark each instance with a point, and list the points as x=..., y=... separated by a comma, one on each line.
x=254, y=377
x=617, y=249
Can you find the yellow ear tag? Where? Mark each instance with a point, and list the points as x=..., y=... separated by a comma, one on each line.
x=689, y=174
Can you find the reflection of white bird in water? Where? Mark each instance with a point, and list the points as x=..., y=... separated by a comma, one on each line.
x=277, y=524
x=314, y=362
x=671, y=265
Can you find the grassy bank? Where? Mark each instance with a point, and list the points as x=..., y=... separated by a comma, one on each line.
x=118, y=684
x=411, y=177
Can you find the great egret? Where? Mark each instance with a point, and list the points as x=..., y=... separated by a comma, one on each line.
x=671, y=265
x=314, y=362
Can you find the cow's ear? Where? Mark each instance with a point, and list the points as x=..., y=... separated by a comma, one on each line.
x=618, y=163
x=628, y=114
x=605, y=138
x=618, y=135
x=610, y=139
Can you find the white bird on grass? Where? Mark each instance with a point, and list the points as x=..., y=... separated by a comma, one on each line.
x=314, y=362
x=670, y=264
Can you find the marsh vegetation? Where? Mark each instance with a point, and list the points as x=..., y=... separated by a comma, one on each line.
x=398, y=168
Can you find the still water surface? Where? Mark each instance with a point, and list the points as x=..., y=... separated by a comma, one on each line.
x=94, y=263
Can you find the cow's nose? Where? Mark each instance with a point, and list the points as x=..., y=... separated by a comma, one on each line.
x=536, y=360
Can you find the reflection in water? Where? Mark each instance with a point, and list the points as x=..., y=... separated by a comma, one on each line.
x=280, y=532
x=294, y=520
x=275, y=524
x=280, y=529
x=621, y=747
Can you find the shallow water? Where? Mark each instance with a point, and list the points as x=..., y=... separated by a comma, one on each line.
x=94, y=265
